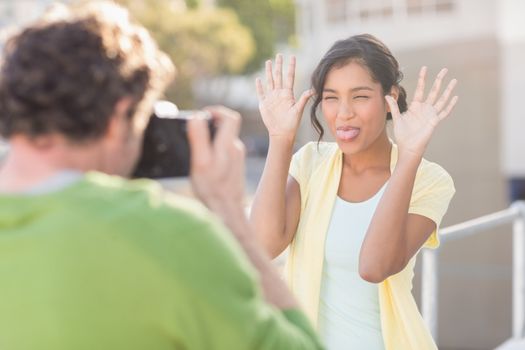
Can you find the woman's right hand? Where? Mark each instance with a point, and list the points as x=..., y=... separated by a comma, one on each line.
x=280, y=111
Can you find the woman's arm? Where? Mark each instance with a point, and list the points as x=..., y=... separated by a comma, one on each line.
x=394, y=235
x=277, y=202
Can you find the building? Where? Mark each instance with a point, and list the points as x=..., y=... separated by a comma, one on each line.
x=14, y=13
x=482, y=42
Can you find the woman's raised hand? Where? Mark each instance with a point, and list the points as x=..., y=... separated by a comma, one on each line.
x=280, y=111
x=414, y=128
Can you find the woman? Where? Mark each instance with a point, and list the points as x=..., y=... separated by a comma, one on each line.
x=354, y=212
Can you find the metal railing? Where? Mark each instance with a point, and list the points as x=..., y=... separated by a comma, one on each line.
x=515, y=214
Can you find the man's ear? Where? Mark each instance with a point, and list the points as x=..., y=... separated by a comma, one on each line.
x=119, y=122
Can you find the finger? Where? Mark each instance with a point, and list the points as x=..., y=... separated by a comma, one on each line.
x=445, y=113
x=394, y=109
x=239, y=157
x=227, y=132
x=269, y=75
x=237, y=168
x=200, y=144
x=229, y=123
x=240, y=148
x=259, y=88
x=305, y=96
x=434, y=91
x=278, y=71
x=420, y=88
x=446, y=95
x=290, y=79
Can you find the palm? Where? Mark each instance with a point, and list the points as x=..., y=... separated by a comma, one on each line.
x=414, y=128
x=280, y=111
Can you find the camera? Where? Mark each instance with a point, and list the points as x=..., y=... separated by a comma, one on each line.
x=165, y=148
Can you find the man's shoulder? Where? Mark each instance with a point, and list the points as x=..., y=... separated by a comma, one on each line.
x=141, y=200
x=141, y=210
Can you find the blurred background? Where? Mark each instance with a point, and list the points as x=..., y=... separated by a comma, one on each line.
x=219, y=47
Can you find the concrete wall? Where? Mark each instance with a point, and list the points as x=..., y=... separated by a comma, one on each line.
x=512, y=65
x=475, y=275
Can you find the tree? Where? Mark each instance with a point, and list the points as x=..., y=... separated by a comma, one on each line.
x=202, y=42
x=270, y=21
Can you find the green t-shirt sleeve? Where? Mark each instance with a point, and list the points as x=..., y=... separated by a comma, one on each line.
x=226, y=304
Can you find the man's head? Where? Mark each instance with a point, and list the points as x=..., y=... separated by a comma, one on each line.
x=85, y=76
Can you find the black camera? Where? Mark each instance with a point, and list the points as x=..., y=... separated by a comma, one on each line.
x=165, y=148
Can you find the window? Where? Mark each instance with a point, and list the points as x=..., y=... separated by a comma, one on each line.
x=375, y=9
x=444, y=6
x=336, y=10
x=417, y=7
x=339, y=11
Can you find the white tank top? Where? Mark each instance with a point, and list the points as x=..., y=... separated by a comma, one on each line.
x=349, y=306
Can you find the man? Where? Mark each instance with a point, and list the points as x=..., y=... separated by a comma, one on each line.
x=89, y=260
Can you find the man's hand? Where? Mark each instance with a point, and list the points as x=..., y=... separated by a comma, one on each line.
x=217, y=169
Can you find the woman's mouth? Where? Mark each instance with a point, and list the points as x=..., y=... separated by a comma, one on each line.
x=346, y=133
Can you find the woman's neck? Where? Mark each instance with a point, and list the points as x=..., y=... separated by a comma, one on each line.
x=374, y=157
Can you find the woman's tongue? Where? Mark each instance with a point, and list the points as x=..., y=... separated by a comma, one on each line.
x=347, y=134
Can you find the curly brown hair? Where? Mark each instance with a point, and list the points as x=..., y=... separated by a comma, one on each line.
x=66, y=73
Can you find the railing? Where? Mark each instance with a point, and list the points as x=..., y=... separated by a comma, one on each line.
x=516, y=215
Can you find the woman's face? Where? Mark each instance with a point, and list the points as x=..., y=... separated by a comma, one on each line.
x=354, y=107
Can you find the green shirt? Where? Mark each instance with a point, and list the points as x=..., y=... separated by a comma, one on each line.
x=111, y=264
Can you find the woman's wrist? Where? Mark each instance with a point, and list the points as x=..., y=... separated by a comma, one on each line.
x=409, y=159
x=282, y=140
x=410, y=154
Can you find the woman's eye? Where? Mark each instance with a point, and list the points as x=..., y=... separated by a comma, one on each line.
x=361, y=97
x=329, y=98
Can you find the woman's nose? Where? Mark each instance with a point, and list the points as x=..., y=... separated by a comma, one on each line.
x=345, y=111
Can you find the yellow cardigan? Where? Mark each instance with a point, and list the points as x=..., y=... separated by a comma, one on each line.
x=318, y=171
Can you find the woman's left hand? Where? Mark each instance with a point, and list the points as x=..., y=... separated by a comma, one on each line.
x=414, y=128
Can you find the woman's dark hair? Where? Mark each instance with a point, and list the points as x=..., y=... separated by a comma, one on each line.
x=368, y=51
